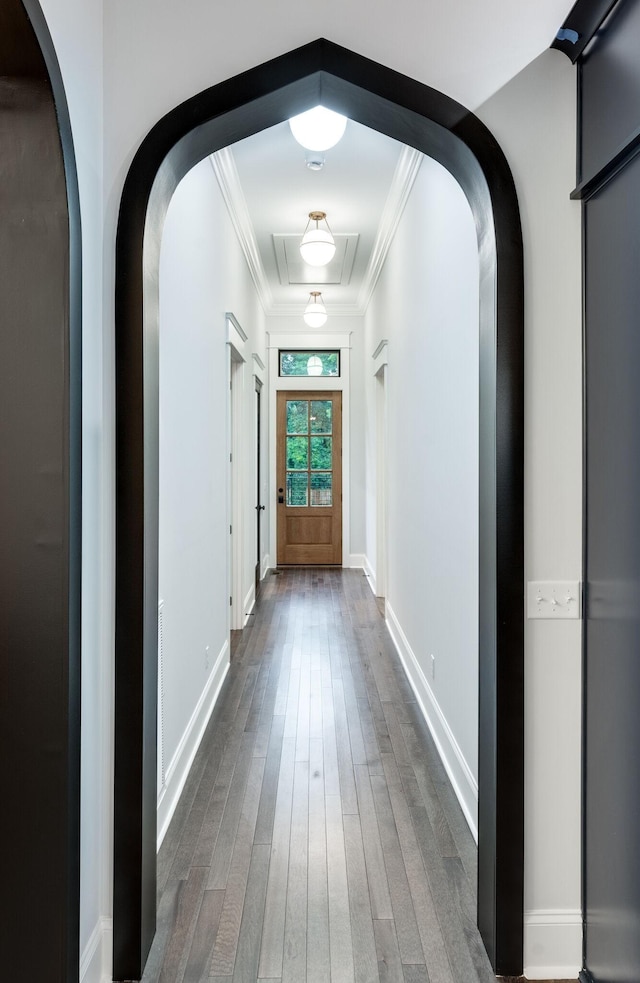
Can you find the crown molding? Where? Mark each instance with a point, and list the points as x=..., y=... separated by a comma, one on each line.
x=224, y=168
x=403, y=180
x=227, y=176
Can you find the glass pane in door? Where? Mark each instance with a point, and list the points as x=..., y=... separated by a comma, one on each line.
x=297, y=482
x=297, y=416
x=321, y=416
x=297, y=453
x=321, y=453
x=321, y=488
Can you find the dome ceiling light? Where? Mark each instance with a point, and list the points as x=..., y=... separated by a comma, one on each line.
x=315, y=313
x=318, y=246
x=318, y=129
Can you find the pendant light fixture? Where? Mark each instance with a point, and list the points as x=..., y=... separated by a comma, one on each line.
x=318, y=129
x=315, y=313
x=317, y=247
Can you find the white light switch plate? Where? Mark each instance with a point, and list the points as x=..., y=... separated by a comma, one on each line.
x=553, y=599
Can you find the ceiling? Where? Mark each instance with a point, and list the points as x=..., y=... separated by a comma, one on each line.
x=270, y=191
x=363, y=187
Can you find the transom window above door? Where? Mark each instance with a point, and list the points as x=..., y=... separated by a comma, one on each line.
x=309, y=363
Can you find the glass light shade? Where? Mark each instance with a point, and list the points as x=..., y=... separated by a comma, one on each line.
x=314, y=365
x=317, y=247
x=315, y=313
x=318, y=128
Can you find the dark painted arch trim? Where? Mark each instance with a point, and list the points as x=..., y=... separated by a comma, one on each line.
x=426, y=119
x=584, y=19
x=40, y=505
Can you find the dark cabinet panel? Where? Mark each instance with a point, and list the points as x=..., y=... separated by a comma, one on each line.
x=610, y=89
x=612, y=627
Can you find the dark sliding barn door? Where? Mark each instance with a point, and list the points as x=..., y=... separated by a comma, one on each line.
x=610, y=116
x=612, y=628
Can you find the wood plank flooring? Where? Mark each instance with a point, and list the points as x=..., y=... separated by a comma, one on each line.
x=318, y=839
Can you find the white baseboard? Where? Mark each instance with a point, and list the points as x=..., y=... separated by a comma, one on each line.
x=370, y=574
x=265, y=566
x=552, y=944
x=96, y=959
x=460, y=775
x=249, y=604
x=176, y=773
x=354, y=561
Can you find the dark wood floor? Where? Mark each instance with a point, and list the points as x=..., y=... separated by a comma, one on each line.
x=317, y=838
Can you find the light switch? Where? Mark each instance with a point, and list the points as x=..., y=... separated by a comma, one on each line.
x=553, y=599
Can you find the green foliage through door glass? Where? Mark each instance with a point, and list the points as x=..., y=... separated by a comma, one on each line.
x=320, y=416
x=297, y=416
x=297, y=453
x=321, y=453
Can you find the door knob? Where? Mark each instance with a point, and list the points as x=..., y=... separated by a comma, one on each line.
x=260, y=508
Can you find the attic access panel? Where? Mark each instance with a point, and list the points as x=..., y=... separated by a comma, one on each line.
x=293, y=270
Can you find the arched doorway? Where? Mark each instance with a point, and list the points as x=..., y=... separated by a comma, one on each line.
x=40, y=504
x=423, y=118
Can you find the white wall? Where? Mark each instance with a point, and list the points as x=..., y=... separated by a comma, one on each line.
x=202, y=275
x=426, y=306
x=533, y=117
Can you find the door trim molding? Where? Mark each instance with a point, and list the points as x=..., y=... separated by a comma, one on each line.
x=304, y=340
x=236, y=466
x=382, y=463
x=338, y=396
x=429, y=121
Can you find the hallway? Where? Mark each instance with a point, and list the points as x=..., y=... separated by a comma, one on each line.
x=314, y=806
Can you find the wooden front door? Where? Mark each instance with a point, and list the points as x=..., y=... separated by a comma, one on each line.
x=309, y=475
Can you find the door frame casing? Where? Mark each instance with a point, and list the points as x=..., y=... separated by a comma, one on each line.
x=236, y=488
x=304, y=340
x=286, y=512
x=236, y=381
x=431, y=122
x=258, y=446
x=259, y=384
x=380, y=372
